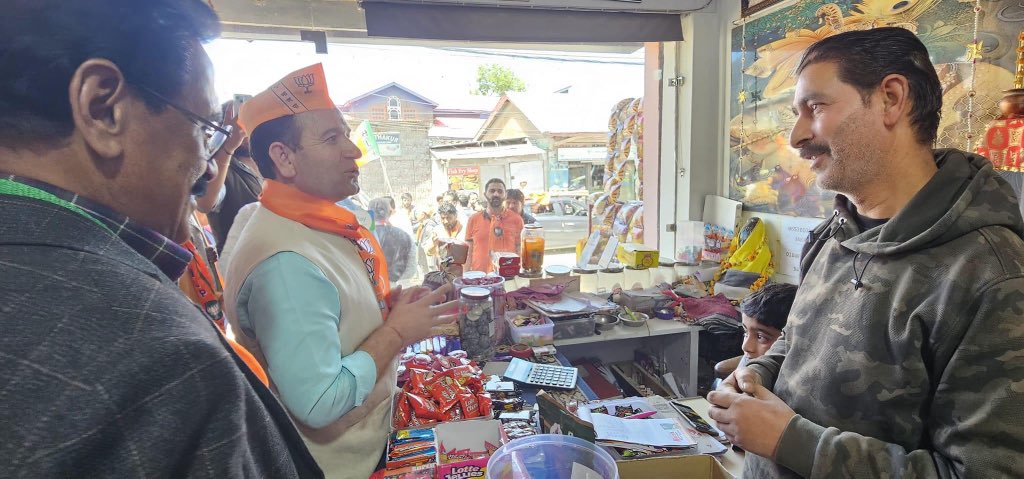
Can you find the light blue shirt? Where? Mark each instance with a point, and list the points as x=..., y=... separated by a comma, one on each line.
x=293, y=310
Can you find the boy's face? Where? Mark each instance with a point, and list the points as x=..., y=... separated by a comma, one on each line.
x=757, y=338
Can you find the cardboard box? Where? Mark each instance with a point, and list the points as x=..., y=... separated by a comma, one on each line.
x=477, y=437
x=638, y=256
x=690, y=467
x=411, y=472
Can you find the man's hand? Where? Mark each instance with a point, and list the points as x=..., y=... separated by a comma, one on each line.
x=415, y=311
x=753, y=421
x=741, y=380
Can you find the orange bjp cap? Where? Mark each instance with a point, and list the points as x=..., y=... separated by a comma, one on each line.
x=298, y=92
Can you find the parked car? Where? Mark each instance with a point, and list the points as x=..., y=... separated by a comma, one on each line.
x=565, y=221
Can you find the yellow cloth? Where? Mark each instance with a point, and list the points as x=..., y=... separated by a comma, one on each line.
x=298, y=92
x=754, y=255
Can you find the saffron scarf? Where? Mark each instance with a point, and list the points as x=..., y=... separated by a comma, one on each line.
x=204, y=286
x=289, y=202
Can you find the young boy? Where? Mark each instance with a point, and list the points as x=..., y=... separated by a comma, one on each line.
x=764, y=315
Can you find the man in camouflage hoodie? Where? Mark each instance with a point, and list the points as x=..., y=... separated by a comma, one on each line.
x=903, y=356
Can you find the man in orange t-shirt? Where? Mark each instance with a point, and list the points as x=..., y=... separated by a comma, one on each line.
x=494, y=229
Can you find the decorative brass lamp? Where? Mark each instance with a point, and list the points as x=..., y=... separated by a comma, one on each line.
x=1012, y=104
x=1003, y=142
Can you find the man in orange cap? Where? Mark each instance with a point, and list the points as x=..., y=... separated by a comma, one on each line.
x=307, y=286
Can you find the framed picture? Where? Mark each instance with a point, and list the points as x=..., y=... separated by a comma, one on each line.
x=750, y=7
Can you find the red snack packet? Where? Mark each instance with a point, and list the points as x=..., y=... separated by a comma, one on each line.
x=446, y=391
x=417, y=381
x=403, y=414
x=485, y=404
x=423, y=407
x=470, y=405
x=442, y=363
x=454, y=414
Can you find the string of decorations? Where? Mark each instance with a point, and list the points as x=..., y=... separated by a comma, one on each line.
x=974, y=53
x=741, y=98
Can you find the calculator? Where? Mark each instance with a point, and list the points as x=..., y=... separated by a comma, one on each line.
x=541, y=375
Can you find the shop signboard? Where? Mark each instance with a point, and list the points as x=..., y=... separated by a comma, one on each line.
x=587, y=155
x=389, y=143
x=464, y=178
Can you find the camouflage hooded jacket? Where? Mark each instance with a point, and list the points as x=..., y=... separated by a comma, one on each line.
x=919, y=371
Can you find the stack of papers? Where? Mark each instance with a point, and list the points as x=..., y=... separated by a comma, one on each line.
x=645, y=432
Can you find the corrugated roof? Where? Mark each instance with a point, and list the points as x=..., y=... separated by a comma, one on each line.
x=448, y=127
x=481, y=152
x=565, y=112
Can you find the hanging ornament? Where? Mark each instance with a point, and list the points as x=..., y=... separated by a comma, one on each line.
x=742, y=98
x=974, y=53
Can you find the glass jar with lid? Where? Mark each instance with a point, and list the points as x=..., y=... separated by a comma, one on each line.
x=477, y=323
x=533, y=250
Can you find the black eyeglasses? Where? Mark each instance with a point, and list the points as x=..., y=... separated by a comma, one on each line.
x=214, y=135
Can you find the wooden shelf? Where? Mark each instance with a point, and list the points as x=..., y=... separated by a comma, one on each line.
x=654, y=327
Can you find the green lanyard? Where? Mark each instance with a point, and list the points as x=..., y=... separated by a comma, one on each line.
x=13, y=188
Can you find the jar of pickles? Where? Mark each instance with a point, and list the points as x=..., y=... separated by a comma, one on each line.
x=476, y=323
x=533, y=250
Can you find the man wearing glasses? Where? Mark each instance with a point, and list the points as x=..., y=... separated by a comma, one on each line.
x=108, y=371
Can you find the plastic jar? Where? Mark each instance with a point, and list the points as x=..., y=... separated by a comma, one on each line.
x=636, y=278
x=533, y=249
x=550, y=456
x=588, y=278
x=610, y=279
x=477, y=323
x=666, y=273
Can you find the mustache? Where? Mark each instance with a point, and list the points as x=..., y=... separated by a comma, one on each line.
x=814, y=149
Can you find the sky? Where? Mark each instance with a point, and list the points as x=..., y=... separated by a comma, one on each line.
x=442, y=75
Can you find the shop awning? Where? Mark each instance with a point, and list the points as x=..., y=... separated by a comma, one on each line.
x=485, y=152
x=490, y=24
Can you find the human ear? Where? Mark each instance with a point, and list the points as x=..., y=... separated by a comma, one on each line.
x=283, y=158
x=99, y=106
x=895, y=90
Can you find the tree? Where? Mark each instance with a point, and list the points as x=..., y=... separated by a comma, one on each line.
x=497, y=79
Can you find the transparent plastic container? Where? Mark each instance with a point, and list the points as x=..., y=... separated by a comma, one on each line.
x=636, y=278
x=477, y=323
x=550, y=456
x=588, y=278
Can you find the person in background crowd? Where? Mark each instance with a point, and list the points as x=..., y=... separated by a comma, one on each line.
x=396, y=243
x=307, y=288
x=901, y=355
x=409, y=210
x=450, y=196
x=108, y=370
x=398, y=218
x=426, y=227
x=465, y=211
x=449, y=227
x=515, y=201
x=235, y=185
x=479, y=205
x=494, y=230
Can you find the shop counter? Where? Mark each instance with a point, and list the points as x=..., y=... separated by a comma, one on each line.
x=732, y=459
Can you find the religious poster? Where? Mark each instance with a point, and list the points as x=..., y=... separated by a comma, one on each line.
x=464, y=178
x=769, y=176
